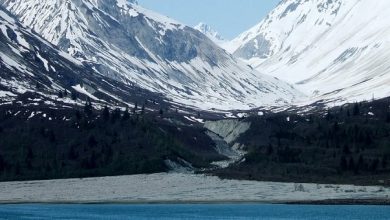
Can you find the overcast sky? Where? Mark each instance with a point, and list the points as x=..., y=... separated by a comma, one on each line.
x=228, y=17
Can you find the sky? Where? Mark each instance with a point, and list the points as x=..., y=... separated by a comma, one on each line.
x=229, y=17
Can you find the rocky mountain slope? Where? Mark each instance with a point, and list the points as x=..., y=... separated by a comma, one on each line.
x=34, y=72
x=122, y=41
x=331, y=49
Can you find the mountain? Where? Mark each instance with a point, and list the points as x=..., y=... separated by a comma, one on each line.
x=211, y=33
x=29, y=64
x=214, y=36
x=33, y=72
x=331, y=49
x=129, y=44
x=44, y=98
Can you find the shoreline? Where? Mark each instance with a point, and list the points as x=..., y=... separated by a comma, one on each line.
x=366, y=202
x=176, y=188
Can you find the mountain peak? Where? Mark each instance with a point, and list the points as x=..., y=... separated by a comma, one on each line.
x=209, y=32
x=326, y=47
x=122, y=3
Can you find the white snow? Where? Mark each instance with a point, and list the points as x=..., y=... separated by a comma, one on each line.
x=82, y=90
x=197, y=83
x=134, y=10
x=337, y=50
x=242, y=115
x=211, y=33
x=6, y=94
x=6, y=17
x=45, y=62
x=21, y=40
x=194, y=119
x=31, y=115
x=175, y=187
x=11, y=63
x=70, y=58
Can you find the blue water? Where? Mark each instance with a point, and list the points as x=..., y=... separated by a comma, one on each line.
x=214, y=212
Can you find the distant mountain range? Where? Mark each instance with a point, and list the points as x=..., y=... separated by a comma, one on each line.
x=124, y=42
x=301, y=53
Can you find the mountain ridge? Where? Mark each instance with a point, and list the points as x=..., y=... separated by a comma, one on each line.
x=153, y=52
x=326, y=48
x=36, y=73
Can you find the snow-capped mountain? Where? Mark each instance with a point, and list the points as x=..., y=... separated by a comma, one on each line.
x=333, y=49
x=29, y=64
x=34, y=72
x=214, y=36
x=211, y=33
x=130, y=44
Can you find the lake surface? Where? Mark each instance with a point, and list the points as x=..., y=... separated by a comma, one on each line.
x=214, y=212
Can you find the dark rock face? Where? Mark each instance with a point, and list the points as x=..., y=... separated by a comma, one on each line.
x=258, y=47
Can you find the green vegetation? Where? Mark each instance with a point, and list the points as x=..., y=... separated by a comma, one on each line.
x=349, y=144
x=85, y=142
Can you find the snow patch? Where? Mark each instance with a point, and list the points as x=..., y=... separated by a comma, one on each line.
x=82, y=90
x=45, y=62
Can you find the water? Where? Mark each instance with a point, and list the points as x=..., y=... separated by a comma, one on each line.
x=214, y=212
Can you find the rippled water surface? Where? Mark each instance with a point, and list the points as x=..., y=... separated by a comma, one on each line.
x=214, y=212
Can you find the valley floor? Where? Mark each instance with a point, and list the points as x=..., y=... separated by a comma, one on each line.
x=180, y=188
